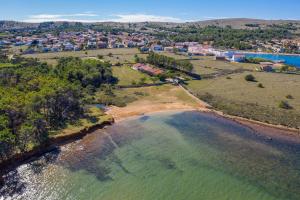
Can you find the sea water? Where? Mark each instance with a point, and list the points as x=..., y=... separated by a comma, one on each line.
x=293, y=60
x=167, y=156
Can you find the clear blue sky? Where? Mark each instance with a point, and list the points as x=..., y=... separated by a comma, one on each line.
x=146, y=10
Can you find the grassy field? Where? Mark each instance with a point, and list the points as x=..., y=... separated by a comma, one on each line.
x=82, y=54
x=240, y=97
x=208, y=61
x=124, y=55
x=176, y=56
x=204, y=65
x=127, y=76
x=157, y=94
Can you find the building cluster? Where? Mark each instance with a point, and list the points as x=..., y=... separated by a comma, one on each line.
x=196, y=49
x=277, y=46
x=76, y=41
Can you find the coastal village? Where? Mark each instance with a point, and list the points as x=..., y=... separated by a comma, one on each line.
x=146, y=42
x=147, y=100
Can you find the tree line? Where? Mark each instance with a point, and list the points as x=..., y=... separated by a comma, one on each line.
x=170, y=63
x=228, y=37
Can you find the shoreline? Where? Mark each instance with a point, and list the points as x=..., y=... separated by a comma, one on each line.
x=137, y=110
x=282, y=54
x=240, y=120
x=51, y=144
x=269, y=131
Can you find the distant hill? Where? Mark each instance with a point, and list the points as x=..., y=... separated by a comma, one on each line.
x=237, y=23
x=243, y=22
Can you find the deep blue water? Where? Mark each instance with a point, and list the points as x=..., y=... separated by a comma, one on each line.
x=289, y=59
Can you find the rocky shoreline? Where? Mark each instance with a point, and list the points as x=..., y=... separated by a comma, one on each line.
x=51, y=145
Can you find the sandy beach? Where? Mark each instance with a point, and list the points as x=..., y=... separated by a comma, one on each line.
x=169, y=103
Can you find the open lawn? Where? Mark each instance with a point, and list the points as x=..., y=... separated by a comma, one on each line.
x=176, y=56
x=240, y=97
x=204, y=65
x=124, y=55
x=158, y=94
x=82, y=54
x=127, y=76
x=209, y=62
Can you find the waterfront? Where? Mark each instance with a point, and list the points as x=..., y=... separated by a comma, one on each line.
x=293, y=60
x=172, y=155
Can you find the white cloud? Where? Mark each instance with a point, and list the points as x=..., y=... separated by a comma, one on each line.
x=60, y=17
x=47, y=16
x=91, y=17
x=144, y=18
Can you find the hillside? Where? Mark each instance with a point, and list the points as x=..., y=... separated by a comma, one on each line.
x=238, y=23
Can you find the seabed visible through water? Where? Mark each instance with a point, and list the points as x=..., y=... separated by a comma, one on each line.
x=173, y=155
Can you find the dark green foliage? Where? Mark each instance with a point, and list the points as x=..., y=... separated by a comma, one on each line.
x=252, y=25
x=260, y=85
x=35, y=98
x=250, y=77
x=169, y=62
x=228, y=37
x=256, y=60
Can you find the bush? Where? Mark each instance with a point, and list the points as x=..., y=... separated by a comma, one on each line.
x=260, y=85
x=284, y=105
x=100, y=57
x=289, y=96
x=256, y=60
x=228, y=77
x=250, y=77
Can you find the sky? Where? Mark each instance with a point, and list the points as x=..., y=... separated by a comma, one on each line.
x=146, y=10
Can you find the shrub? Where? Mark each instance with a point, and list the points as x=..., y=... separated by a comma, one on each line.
x=250, y=77
x=142, y=81
x=100, y=57
x=289, y=96
x=260, y=85
x=228, y=77
x=284, y=105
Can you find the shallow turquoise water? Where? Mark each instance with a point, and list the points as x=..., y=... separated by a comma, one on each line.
x=187, y=155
